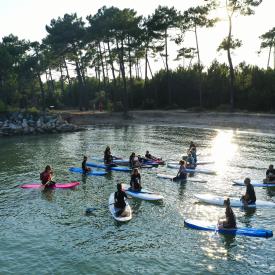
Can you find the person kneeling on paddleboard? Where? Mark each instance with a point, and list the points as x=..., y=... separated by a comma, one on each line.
x=190, y=161
x=119, y=199
x=230, y=219
x=108, y=158
x=135, y=180
x=249, y=197
x=46, y=176
x=270, y=173
x=182, y=174
x=84, y=166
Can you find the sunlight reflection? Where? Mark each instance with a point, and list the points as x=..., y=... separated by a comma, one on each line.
x=223, y=149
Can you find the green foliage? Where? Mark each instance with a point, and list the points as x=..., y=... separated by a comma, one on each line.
x=3, y=107
x=32, y=110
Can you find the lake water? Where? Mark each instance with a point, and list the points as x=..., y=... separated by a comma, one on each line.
x=47, y=232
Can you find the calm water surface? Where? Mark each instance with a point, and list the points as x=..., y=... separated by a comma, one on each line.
x=47, y=232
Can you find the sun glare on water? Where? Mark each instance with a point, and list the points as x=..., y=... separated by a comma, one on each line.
x=223, y=149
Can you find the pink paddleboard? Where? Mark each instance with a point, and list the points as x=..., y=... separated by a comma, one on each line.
x=57, y=185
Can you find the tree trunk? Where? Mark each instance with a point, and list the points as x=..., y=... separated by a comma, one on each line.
x=102, y=63
x=166, y=51
x=130, y=59
x=146, y=70
x=106, y=63
x=199, y=64
x=112, y=63
x=61, y=79
x=268, y=60
x=67, y=72
x=42, y=92
x=231, y=68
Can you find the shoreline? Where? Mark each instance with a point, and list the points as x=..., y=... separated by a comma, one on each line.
x=258, y=122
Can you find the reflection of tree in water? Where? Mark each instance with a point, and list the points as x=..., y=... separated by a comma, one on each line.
x=47, y=194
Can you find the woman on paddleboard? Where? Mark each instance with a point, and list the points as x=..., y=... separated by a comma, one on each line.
x=270, y=173
x=119, y=199
x=230, y=219
x=135, y=180
x=249, y=197
x=46, y=176
x=190, y=161
x=182, y=174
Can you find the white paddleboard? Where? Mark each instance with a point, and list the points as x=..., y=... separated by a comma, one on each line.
x=144, y=194
x=196, y=170
x=126, y=215
x=171, y=177
x=234, y=202
x=256, y=183
x=198, y=162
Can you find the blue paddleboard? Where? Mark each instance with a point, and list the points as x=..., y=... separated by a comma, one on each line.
x=92, y=173
x=118, y=168
x=246, y=231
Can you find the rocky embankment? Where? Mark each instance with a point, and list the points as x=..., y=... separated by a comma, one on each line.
x=28, y=124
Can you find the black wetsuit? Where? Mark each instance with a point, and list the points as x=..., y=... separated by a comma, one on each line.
x=230, y=218
x=250, y=194
x=270, y=174
x=84, y=167
x=119, y=199
x=135, y=182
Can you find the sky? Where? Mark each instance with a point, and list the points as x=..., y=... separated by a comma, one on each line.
x=27, y=19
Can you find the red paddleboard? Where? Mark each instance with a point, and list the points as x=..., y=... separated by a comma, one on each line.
x=57, y=185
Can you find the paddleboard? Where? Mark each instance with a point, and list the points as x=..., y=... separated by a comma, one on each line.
x=255, y=183
x=171, y=177
x=113, y=210
x=144, y=194
x=196, y=170
x=234, y=202
x=118, y=168
x=246, y=231
x=57, y=185
x=92, y=173
x=198, y=162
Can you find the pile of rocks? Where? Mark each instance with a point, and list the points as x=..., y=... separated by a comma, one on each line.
x=26, y=124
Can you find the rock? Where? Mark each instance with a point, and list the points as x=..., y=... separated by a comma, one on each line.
x=25, y=123
x=38, y=123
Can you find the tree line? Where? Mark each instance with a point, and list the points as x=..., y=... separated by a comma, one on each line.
x=111, y=53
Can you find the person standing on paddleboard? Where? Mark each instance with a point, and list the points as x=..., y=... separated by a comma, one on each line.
x=84, y=166
x=119, y=198
x=182, y=174
x=249, y=197
x=135, y=181
x=46, y=176
x=230, y=219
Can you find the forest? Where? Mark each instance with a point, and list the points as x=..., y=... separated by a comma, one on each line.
x=106, y=60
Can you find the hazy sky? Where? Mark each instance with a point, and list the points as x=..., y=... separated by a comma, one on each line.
x=27, y=19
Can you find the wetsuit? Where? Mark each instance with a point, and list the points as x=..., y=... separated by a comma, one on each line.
x=84, y=167
x=149, y=156
x=270, y=174
x=230, y=218
x=119, y=199
x=249, y=196
x=135, y=182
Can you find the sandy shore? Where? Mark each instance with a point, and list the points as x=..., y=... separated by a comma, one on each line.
x=237, y=121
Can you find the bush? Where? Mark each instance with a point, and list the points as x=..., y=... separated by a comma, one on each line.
x=32, y=111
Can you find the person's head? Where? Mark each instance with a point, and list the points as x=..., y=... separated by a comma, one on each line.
x=193, y=149
x=85, y=158
x=135, y=171
x=226, y=202
x=48, y=168
x=107, y=148
x=182, y=162
x=147, y=152
x=119, y=187
x=247, y=181
x=271, y=166
x=189, y=154
x=133, y=154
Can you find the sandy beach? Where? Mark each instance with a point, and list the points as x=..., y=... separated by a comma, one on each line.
x=258, y=122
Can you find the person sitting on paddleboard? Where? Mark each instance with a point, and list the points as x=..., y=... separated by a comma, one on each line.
x=190, y=161
x=230, y=219
x=182, y=174
x=135, y=180
x=46, y=176
x=85, y=169
x=134, y=161
x=270, y=173
x=149, y=156
x=108, y=158
x=119, y=199
x=193, y=152
x=249, y=197
x=192, y=145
